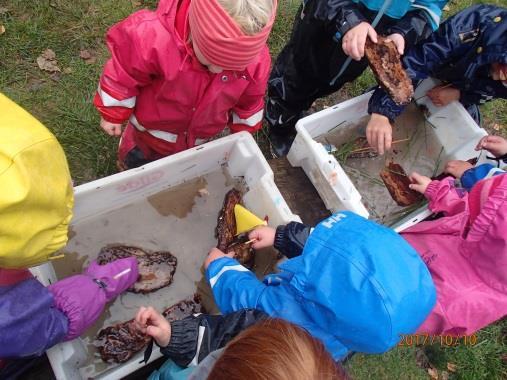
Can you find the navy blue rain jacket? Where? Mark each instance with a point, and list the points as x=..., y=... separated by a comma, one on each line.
x=460, y=52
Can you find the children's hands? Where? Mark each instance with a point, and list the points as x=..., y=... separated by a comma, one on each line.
x=379, y=133
x=442, y=96
x=110, y=128
x=353, y=41
x=399, y=42
x=419, y=182
x=152, y=323
x=265, y=237
x=496, y=145
x=216, y=254
x=456, y=168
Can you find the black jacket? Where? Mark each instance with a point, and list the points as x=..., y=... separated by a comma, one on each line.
x=460, y=52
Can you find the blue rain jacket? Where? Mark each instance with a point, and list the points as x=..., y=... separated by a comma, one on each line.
x=460, y=52
x=471, y=176
x=357, y=286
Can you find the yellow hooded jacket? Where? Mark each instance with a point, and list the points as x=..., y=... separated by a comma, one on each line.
x=36, y=196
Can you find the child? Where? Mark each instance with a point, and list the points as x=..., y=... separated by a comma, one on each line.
x=34, y=216
x=325, y=34
x=183, y=73
x=267, y=349
x=353, y=284
x=468, y=53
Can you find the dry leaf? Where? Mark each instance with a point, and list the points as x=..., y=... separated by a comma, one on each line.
x=35, y=84
x=445, y=375
x=451, y=367
x=68, y=70
x=47, y=61
x=2, y=29
x=3, y=10
x=433, y=373
x=497, y=127
x=87, y=56
x=136, y=3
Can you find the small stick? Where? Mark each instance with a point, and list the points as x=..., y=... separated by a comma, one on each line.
x=423, y=96
x=370, y=148
x=250, y=241
x=122, y=273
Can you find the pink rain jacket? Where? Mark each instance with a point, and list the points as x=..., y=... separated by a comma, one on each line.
x=468, y=263
x=172, y=102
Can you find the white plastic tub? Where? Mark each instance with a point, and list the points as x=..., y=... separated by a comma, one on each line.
x=452, y=129
x=134, y=207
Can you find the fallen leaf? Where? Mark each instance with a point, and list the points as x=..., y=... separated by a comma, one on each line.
x=68, y=70
x=433, y=373
x=56, y=76
x=451, y=367
x=35, y=84
x=444, y=375
x=3, y=10
x=497, y=126
x=136, y=3
x=47, y=61
x=2, y=29
x=87, y=56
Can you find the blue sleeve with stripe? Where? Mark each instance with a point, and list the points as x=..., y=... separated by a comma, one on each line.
x=474, y=175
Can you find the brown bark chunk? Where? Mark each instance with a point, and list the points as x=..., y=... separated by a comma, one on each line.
x=397, y=182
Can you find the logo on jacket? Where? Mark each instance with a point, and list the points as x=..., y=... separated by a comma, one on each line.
x=329, y=222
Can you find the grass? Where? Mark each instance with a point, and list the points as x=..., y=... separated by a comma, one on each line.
x=63, y=102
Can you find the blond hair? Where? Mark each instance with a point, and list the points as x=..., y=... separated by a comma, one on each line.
x=275, y=349
x=251, y=15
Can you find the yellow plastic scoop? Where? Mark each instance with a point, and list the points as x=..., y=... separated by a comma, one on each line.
x=245, y=220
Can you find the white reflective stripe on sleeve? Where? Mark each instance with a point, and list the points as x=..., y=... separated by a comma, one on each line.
x=252, y=121
x=239, y=268
x=109, y=101
x=493, y=171
x=162, y=135
x=200, y=141
x=199, y=343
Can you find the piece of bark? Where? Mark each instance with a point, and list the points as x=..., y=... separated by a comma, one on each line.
x=118, y=343
x=225, y=231
x=156, y=269
x=385, y=62
x=397, y=182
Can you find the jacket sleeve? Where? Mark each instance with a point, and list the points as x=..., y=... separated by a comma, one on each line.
x=290, y=239
x=193, y=338
x=444, y=197
x=471, y=176
x=131, y=66
x=29, y=321
x=247, y=113
x=234, y=286
x=348, y=16
x=414, y=27
x=482, y=91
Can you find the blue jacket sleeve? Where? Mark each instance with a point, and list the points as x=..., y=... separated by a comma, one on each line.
x=290, y=239
x=474, y=175
x=29, y=321
x=234, y=286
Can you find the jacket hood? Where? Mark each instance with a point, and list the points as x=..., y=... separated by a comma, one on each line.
x=166, y=12
x=362, y=280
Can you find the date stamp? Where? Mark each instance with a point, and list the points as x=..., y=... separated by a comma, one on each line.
x=409, y=340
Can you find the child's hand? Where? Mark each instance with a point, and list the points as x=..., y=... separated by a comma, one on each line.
x=110, y=128
x=442, y=96
x=216, y=254
x=496, y=145
x=419, y=182
x=379, y=133
x=399, y=42
x=152, y=323
x=456, y=168
x=265, y=237
x=353, y=41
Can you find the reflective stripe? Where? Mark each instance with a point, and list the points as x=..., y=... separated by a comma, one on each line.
x=493, y=171
x=200, y=141
x=252, y=121
x=199, y=343
x=215, y=278
x=432, y=14
x=162, y=135
x=109, y=101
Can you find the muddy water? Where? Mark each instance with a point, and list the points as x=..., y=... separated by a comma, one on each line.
x=180, y=220
x=420, y=154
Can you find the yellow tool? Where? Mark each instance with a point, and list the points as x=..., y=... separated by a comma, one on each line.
x=245, y=220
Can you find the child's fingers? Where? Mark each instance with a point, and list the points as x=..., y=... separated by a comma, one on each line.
x=372, y=34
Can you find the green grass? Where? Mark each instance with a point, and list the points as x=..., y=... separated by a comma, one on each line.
x=64, y=104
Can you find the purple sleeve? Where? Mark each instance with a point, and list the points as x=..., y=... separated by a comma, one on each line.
x=29, y=321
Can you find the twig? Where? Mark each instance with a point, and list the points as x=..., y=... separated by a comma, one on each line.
x=371, y=148
x=445, y=86
x=437, y=162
